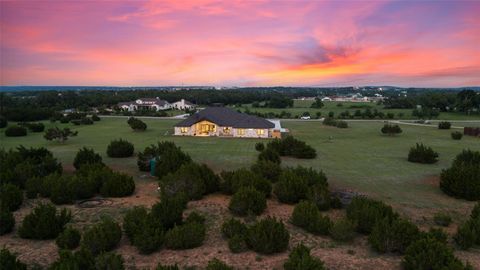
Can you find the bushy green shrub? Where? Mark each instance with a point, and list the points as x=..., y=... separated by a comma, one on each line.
x=428, y=253
x=290, y=188
x=300, y=259
x=268, y=236
x=44, y=222
x=95, y=118
x=307, y=216
x=259, y=146
x=170, y=161
x=216, y=264
x=82, y=259
x=457, y=135
x=68, y=239
x=194, y=216
x=462, y=179
x=342, y=124
x=269, y=155
x=237, y=244
x=365, y=212
x=7, y=221
x=468, y=233
x=233, y=181
x=442, y=219
x=437, y=234
x=186, y=236
x=86, y=156
x=143, y=229
x=393, y=235
x=343, y=230
x=11, y=197
x=289, y=146
x=444, y=125
x=86, y=121
x=84, y=187
x=391, y=129
x=267, y=169
x=193, y=179
x=118, y=185
x=169, y=210
x=120, y=149
x=310, y=175
x=9, y=261
x=102, y=237
x=136, y=124
x=329, y=121
x=15, y=131
x=247, y=200
x=33, y=186
x=151, y=152
x=109, y=261
x=422, y=154
x=133, y=221
x=232, y=227
x=60, y=189
x=320, y=195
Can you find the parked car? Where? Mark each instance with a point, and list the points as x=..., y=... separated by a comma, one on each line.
x=305, y=117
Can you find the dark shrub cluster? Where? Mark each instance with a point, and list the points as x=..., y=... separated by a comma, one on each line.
x=422, y=154
x=269, y=155
x=81, y=259
x=233, y=227
x=44, y=222
x=259, y=146
x=216, y=264
x=468, y=233
x=247, y=200
x=7, y=221
x=342, y=230
x=289, y=146
x=169, y=210
x=11, y=197
x=3, y=121
x=307, y=216
x=95, y=118
x=342, y=124
x=428, y=253
x=15, y=131
x=391, y=129
x=68, y=239
x=191, y=179
x=444, y=125
x=33, y=127
x=462, y=179
x=294, y=185
x=393, y=235
x=365, y=213
x=9, y=261
x=136, y=124
x=300, y=259
x=267, y=169
x=102, y=237
x=155, y=152
x=17, y=166
x=185, y=236
x=170, y=161
x=457, y=135
x=109, y=260
x=268, y=236
x=117, y=185
x=234, y=180
x=60, y=135
x=330, y=121
x=86, y=156
x=120, y=149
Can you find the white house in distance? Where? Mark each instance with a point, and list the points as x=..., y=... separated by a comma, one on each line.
x=155, y=104
x=183, y=105
x=225, y=122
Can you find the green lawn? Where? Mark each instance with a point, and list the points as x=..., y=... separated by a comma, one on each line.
x=301, y=106
x=358, y=158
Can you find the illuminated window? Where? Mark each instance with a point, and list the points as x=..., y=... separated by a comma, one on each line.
x=226, y=130
x=184, y=129
x=241, y=131
x=260, y=132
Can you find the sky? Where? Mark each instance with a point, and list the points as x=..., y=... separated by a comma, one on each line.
x=240, y=43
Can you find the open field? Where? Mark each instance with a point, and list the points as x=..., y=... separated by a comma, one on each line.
x=357, y=158
x=301, y=106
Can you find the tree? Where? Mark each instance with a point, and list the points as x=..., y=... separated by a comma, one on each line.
x=60, y=135
x=317, y=104
x=136, y=124
x=86, y=156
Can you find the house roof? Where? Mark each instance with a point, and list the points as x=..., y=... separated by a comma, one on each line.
x=226, y=117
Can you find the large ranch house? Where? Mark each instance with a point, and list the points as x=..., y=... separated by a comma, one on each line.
x=225, y=122
x=155, y=104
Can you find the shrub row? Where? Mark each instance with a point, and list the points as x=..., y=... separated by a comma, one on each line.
x=266, y=236
x=330, y=121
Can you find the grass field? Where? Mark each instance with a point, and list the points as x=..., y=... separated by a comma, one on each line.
x=301, y=106
x=358, y=158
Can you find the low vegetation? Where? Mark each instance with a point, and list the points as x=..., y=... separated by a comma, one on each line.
x=391, y=130
x=422, y=154
x=307, y=216
x=247, y=200
x=136, y=124
x=120, y=149
x=289, y=146
x=462, y=179
x=44, y=222
x=457, y=135
x=15, y=131
x=444, y=125
x=59, y=135
x=301, y=259
x=86, y=156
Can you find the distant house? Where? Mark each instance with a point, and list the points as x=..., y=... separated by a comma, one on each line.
x=183, y=105
x=225, y=122
x=145, y=103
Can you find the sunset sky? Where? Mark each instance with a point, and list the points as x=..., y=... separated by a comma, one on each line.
x=240, y=43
